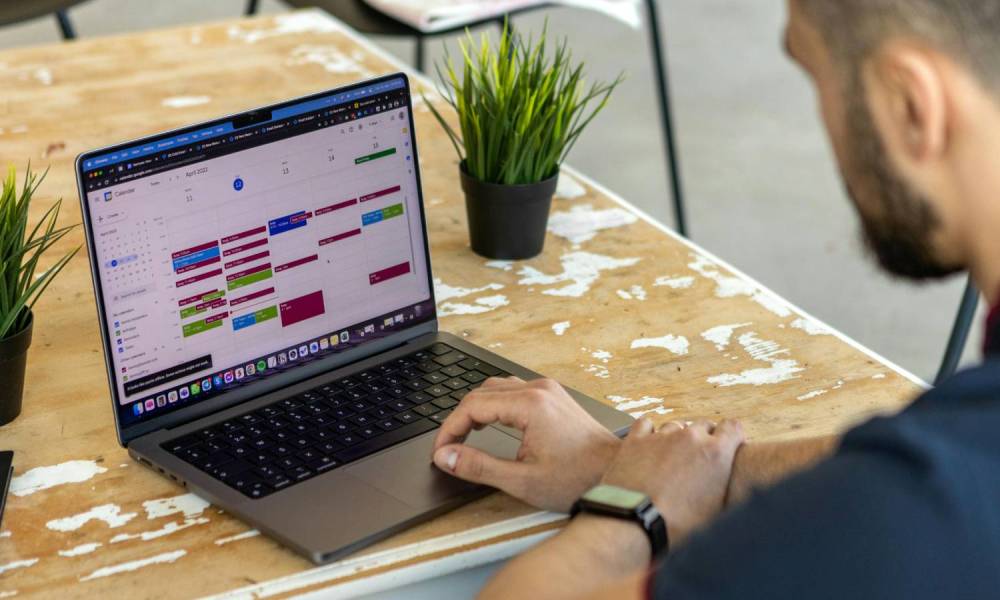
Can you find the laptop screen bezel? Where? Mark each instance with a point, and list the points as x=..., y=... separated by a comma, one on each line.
x=278, y=381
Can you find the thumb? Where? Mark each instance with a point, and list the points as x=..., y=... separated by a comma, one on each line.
x=477, y=466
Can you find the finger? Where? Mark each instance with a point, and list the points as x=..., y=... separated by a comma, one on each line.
x=703, y=425
x=671, y=427
x=641, y=428
x=731, y=436
x=484, y=409
x=476, y=466
x=494, y=382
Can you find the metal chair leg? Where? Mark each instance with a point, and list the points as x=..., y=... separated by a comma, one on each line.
x=65, y=25
x=420, y=56
x=666, y=118
x=959, y=333
x=251, y=7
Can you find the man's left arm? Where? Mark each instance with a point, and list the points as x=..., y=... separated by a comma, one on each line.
x=591, y=553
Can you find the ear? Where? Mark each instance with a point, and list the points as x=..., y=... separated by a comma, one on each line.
x=908, y=99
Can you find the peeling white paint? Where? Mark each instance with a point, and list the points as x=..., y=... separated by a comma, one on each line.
x=811, y=327
x=677, y=344
x=286, y=24
x=81, y=549
x=8, y=593
x=43, y=478
x=331, y=58
x=781, y=369
x=17, y=564
x=625, y=404
x=677, y=283
x=503, y=265
x=812, y=395
x=729, y=286
x=659, y=410
x=444, y=292
x=582, y=223
x=167, y=529
x=840, y=384
x=878, y=376
x=599, y=371
x=235, y=538
x=561, y=327
x=568, y=187
x=185, y=101
x=42, y=75
x=482, y=305
x=111, y=514
x=580, y=270
x=721, y=335
x=5, y=534
x=634, y=293
x=190, y=505
x=602, y=355
x=166, y=557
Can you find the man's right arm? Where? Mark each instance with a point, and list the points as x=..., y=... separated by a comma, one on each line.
x=763, y=464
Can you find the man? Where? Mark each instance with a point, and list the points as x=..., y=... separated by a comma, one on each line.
x=902, y=507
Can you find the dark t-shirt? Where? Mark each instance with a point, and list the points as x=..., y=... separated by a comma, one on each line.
x=908, y=507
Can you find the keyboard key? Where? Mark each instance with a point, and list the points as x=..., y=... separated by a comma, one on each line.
x=301, y=442
x=194, y=453
x=346, y=383
x=388, y=424
x=385, y=368
x=289, y=403
x=323, y=463
x=419, y=397
x=360, y=420
x=216, y=445
x=456, y=384
x=435, y=377
x=458, y=395
x=390, y=438
x=399, y=405
x=382, y=411
x=267, y=471
x=355, y=393
x=282, y=450
x=278, y=481
x=445, y=402
x=426, y=410
x=437, y=390
x=349, y=440
x=368, y=375
x=441, y=416
x=260, y=458
x=417, y=385
x=473, y=376
x=397, y=391
x=259, y=490
x=369, y=431
x=439, y=349
x=340, y=428
x=299, y=473
x=271, y=411
x=428, y=365
x=307, y=455
x=453, y=371
x=381, y=398
x=215, y=460
x=478, y=365
x=407, y=417
x=289, y=462
x=328, y=448
x=372, y=387
x=231, y=469
x=410, y=373
x=261, y=443
x=449, y=359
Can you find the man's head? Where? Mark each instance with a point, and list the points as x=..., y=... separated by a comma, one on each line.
x=907, y=88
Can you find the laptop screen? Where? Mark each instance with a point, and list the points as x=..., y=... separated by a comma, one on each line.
x=234, y=251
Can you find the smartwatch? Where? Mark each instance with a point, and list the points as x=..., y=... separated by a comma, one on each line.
x=628, y=505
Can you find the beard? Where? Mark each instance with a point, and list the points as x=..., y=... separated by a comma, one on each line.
x=897, y=222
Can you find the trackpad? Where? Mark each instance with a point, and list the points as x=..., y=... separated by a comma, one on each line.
x=407, y=473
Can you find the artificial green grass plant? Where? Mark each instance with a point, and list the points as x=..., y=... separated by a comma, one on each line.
x=520, y=110
x=21, y=250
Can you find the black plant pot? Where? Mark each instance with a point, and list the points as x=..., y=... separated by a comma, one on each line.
x=13, y=357
x=507, y=222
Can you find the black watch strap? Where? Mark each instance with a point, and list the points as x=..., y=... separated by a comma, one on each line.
x=644, y=514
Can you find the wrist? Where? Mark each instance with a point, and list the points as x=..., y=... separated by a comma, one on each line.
x=619, y=542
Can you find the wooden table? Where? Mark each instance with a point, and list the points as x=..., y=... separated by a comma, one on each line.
x=616, y=306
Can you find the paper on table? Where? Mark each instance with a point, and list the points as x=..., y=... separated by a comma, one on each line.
x=430, y=16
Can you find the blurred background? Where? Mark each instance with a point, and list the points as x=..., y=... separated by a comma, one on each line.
x=761, y=187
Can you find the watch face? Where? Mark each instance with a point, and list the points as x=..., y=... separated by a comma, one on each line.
x=615, y=496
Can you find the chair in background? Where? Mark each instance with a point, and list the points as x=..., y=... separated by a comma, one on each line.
x=16, y=11
x=959, y=333
x=362, y=17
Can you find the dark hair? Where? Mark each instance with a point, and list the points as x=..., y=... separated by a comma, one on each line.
x=967, y=30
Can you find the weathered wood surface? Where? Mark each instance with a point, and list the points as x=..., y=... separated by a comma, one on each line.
x=580, y=312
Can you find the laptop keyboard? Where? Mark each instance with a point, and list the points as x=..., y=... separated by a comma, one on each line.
x=291, y=440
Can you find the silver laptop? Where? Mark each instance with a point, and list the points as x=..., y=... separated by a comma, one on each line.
x=266, y=303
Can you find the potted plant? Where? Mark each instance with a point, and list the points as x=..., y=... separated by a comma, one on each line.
x=20, y=287
x=520, y=111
